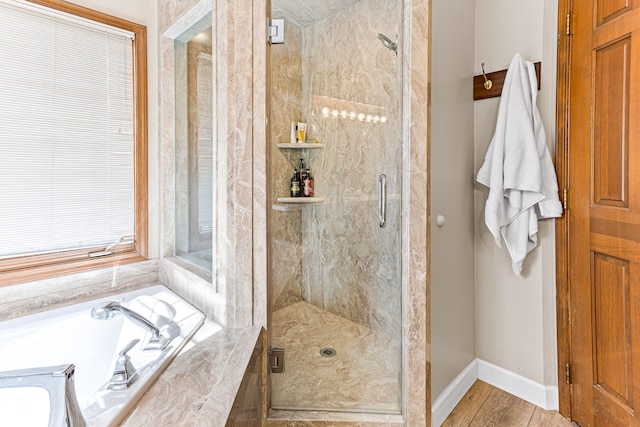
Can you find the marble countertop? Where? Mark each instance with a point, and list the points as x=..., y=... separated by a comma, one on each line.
x=199, y=387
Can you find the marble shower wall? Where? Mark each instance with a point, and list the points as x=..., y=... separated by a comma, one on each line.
x=351, y=99
x=240, y=271
x=285, y=223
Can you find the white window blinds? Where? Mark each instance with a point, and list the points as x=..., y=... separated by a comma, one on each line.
x=204, y=72
x=66, y=134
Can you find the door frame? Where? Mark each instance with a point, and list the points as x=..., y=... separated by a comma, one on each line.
x=563, y=296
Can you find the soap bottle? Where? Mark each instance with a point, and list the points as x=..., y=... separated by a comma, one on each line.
x=295, y=184
x=294, y=133
x=308, y=185
x=301, y=169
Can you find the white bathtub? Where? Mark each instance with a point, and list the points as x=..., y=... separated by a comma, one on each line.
x=70, y=335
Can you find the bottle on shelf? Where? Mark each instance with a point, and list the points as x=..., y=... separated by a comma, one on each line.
x=307, y=189
x=295, y=184
x=301, y=172
x=294, y=133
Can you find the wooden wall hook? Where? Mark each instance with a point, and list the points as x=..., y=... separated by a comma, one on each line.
x=496, y=78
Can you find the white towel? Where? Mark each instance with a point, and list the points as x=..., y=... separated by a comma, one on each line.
x=517, y=167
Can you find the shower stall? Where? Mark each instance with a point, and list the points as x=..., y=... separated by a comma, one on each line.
x=335, y=287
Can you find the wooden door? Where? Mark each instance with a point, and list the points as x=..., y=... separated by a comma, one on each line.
x=604, y=212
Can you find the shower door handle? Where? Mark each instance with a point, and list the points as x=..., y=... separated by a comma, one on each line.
x=382, y=200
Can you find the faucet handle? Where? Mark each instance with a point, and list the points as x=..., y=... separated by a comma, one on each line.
x=124, y=373
x=128, y=347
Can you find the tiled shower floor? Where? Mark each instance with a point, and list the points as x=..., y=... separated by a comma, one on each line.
x=364, y=376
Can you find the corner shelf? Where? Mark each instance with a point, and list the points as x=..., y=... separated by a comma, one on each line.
x=301, y=145
x=301, y=200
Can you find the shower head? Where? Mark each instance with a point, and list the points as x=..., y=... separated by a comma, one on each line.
x=386, y=41
x=105, y=311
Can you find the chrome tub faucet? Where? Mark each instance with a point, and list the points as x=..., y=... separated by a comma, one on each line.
x=124, y=373
x=64, y=410
x=109, y=309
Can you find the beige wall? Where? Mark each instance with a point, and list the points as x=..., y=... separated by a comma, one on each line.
x=143, y=12
x=515, y=316
x=452, y=288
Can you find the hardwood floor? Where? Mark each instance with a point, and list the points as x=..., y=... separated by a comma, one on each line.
x=487, y=406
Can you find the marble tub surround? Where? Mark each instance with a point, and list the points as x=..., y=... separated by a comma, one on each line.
x=362, y=377
x=192, y=283
x=238, y=50
x=199, y=387
x=35, y=297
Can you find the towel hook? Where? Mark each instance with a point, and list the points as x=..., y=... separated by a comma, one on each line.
x=487, y=83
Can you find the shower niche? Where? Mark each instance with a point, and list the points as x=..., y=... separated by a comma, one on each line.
x=335, y=281
x=297, y=151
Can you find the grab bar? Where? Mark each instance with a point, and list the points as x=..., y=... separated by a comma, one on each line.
x=382, y=200
x=64, y=410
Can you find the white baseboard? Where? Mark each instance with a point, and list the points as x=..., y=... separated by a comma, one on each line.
x=540, y=395
x=455, y=391
x=544, y=396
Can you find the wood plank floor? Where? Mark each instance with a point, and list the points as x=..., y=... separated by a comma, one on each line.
x=487, y=406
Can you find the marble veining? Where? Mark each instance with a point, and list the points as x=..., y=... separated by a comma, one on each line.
x=285, y=225
x=416, y=229
x=200, y=386
x=413, y=124
x=338, y=65
x=237, y=28
x=351, y=99
x=307, y=12
x=46, y=294
x=362, y=377
x=415, y=77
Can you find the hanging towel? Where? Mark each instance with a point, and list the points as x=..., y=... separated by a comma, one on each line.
x=517, y=167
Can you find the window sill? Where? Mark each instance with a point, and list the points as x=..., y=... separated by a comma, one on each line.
x=45, y=271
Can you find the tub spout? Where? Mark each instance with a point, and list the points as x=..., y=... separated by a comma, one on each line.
x=58, y=381
x=107, y=310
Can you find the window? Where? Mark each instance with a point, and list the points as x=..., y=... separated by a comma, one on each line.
x=73, y=156
x=195, y=169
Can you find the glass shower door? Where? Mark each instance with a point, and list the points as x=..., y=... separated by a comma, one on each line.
x=336, y=266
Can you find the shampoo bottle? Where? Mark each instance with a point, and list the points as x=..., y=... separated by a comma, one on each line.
x=295, y=184
x=308, y=185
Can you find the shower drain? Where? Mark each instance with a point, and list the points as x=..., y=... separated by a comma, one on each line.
x=328, y=352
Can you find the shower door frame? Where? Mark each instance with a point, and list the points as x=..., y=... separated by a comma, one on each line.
x=415, y=229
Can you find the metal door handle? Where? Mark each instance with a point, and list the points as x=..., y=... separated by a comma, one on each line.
x=382, y=200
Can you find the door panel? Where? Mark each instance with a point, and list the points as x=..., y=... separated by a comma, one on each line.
x=604, y=215
x=611, y=124
x=611, y=9
x=610, y=300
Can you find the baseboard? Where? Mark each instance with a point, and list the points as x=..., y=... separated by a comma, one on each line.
x=544, y=396
x=455, y=391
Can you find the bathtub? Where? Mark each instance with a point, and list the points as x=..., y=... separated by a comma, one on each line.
x=70, y=335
